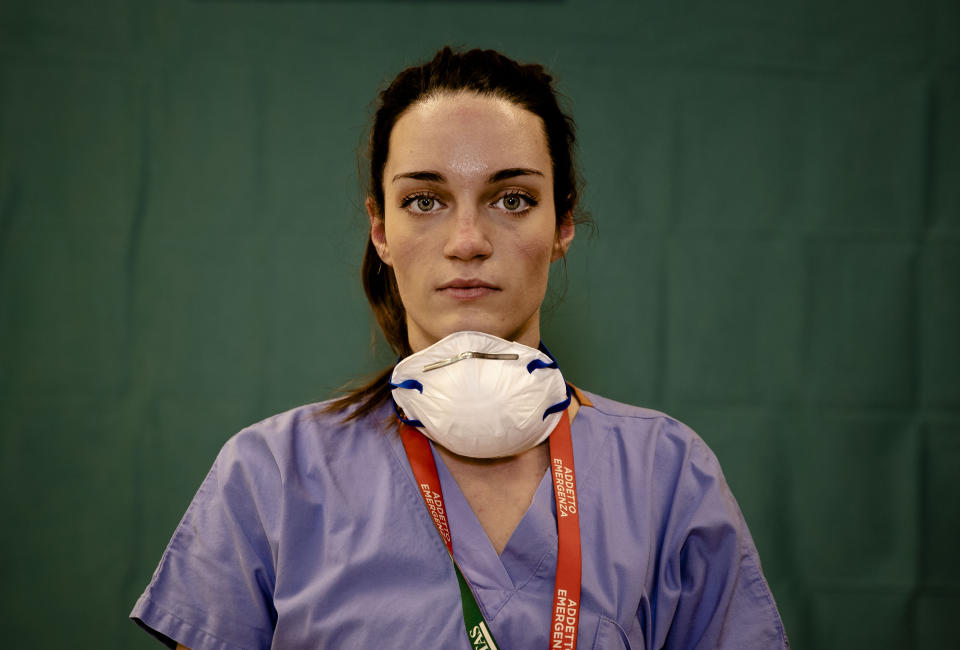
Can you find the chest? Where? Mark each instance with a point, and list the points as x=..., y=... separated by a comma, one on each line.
x=368, y=569
x=499, y=499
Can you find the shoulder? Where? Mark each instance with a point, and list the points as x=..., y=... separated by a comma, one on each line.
x=636, y=427
x=273, y=468
x=307, y=420
x=633, y=418
x=660, y=481
x=304, y=438
x=642, y=451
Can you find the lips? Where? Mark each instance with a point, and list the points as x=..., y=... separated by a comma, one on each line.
x=467, y=283
x=467, y=288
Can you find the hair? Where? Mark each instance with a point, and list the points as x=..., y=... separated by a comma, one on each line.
x=486, y=72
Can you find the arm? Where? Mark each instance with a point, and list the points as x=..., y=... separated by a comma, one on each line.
x=214, y=585
x=712, y=593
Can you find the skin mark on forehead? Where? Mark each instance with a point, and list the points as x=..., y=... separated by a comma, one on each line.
x=496, y=177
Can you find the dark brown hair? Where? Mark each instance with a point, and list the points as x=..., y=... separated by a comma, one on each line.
x=486, y=72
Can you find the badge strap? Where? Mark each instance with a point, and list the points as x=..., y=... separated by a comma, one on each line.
x=566, y=597
x=425, y=472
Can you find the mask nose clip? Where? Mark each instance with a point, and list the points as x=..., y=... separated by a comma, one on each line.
x=469, y=355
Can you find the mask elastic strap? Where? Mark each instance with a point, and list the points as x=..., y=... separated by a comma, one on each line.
x=559, y=406
x=411, y=384
x=543, y=348
x=537, y=364
x=408, y=383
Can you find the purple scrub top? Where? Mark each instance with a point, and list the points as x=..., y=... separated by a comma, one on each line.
x=311, y=533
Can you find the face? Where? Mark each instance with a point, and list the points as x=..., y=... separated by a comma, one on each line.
x=469, y=224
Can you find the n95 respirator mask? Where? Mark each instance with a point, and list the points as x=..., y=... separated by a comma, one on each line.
x=479, y=395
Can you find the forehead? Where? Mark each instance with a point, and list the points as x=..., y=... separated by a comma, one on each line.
x=464, y=134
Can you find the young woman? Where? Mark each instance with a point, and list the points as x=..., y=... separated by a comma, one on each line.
x=468, y=497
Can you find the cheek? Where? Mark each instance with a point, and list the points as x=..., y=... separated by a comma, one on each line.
x=535, y=255
x=400, y=242
x=537, y=246
x=409, y=260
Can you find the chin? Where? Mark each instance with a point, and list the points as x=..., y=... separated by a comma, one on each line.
x=440, y=327
x=509, y=332
x=475, y=325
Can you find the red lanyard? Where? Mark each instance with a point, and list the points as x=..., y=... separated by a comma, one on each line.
x=566, y=595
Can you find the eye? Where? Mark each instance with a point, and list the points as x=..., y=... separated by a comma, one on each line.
x=421, y=203
x=518, y=202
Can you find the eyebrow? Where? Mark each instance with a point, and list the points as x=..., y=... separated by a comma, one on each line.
x=496, y=177
x=513, y=172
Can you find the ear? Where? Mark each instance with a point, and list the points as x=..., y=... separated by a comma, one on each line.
x=378, y=234
x=565, y=233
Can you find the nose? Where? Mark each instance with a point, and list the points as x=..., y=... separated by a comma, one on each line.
x=467, y=239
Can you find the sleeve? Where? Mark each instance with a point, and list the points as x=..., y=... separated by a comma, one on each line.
x=213, y=588
x=711, y=592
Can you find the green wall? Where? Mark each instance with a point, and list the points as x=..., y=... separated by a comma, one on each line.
x=777, y=190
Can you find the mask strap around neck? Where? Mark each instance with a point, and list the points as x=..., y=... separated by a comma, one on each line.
x=543, y=348
x=559, y=406
x=537, y=364
x=411, y=384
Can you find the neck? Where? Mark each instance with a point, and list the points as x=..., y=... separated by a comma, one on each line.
x=499, y=490
x=492, y=464
x=495, y=465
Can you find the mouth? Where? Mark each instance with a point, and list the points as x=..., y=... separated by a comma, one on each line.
x=467, y=288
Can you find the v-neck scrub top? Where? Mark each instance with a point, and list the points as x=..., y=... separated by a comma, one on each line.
x=311, y=533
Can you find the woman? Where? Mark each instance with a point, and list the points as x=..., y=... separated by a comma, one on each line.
x=569, y=519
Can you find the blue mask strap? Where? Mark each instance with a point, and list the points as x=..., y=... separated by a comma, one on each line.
x=559, y=406
x=537, y=364
x=409, y=383
x=543, y=348
x=412, y=423
x=412, y=384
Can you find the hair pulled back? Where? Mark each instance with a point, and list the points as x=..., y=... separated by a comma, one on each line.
x=486, y=72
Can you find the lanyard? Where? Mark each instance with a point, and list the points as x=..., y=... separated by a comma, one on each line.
x=566, y=595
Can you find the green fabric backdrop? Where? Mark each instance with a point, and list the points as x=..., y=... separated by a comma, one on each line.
x=777, y=189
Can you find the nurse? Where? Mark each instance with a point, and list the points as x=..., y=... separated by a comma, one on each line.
x=467, y=497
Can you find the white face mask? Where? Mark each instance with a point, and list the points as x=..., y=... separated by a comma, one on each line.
x=481, y=396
